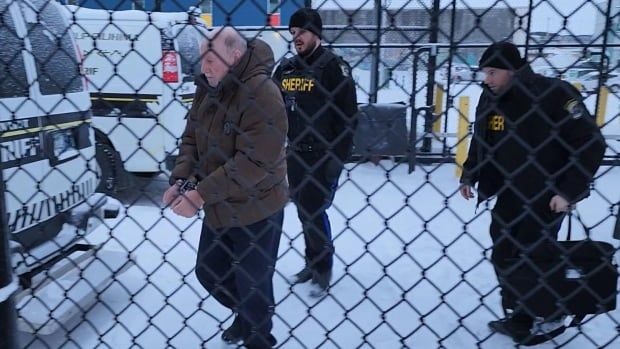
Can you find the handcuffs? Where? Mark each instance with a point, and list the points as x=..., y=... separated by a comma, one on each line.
x=185, y=185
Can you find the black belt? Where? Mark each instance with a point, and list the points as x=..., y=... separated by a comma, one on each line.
x=306, y=147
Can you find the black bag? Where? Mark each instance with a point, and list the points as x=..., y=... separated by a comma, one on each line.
x=566, y=278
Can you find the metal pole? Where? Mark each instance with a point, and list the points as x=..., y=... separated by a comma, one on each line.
x=8, y=314
x=451, y=55
x=376, y=56
x=604, y=65
x=432, y=65
x=528, y=33
x=308, y=3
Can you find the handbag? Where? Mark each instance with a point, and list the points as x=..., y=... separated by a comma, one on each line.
x=572, y=277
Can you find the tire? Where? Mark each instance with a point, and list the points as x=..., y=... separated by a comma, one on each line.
x=114, y=179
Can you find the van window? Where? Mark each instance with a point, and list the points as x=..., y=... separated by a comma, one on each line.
x=55, y=56
x=13, y=82
x=189, y=39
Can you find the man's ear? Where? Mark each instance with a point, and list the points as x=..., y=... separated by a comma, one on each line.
x=237, y=55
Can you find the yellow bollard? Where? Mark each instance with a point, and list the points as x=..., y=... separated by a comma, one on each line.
x=462, y=135
x=578, y=86
x=602, y=106
x=438, y=108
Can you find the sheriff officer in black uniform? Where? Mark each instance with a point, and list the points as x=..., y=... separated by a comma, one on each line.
x=536, y=148
x=321, y=103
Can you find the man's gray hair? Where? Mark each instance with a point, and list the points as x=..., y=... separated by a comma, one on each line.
x=232, y=39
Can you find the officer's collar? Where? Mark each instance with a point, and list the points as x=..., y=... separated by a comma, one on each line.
x=313, y=56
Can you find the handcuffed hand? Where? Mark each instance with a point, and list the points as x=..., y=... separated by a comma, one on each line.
x=559, y=204
x=466, y=191
x=187, y=204
x=172, y=193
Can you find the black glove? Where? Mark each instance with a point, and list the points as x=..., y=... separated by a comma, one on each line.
x=333, y=168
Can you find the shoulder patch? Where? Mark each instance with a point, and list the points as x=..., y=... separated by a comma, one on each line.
x=574, y=109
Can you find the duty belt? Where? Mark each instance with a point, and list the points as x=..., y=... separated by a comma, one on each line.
x=305, y=147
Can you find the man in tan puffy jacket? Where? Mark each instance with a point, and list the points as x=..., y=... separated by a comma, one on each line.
x=232, y=163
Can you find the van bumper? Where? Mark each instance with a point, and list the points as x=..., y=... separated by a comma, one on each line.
x=60, y=278
x=71, y=226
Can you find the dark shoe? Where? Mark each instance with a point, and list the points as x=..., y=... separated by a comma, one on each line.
x=518, y=331
x=234, y=334
x=267, y=343
x=320, y=282
x=541, y=338
x=543, y=331
x=322, y=279
x=303, y=276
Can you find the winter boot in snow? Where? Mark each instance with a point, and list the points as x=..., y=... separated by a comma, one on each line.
x=234, y=334
x=518, y=327
x=321, y=282
x=543, y=331
x=303, y=276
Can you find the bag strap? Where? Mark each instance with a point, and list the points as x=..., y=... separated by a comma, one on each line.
x=617, y=226
x=576, y=321
x=586, y=229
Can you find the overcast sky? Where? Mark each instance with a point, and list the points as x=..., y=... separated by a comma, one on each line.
x=545, y=17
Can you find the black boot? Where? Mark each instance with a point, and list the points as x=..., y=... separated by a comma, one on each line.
x=261, y=343
x=303, y=276
x=321, y=282
x=518, y=327
x=234, y=334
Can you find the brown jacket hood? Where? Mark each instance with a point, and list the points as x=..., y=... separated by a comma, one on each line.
x=234, y=143
x=257, y=60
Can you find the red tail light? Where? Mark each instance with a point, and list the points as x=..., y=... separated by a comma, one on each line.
x=170, y=66
x=81, y=65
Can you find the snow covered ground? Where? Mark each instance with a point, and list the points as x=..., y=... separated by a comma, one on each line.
x=412, y=271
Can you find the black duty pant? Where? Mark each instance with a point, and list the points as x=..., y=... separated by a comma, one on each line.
x=236, y=266
x=312, y=193
x=516, y=231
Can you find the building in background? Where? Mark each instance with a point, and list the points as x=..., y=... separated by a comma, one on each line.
x=410, y=25
x=613, y=31
x=214, y=12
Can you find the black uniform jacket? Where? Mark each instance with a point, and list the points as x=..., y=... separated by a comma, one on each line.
x=537, y=139
x=321, y=102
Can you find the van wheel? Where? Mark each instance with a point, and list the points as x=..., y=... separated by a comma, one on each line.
x=113, y=180
x=105, y=157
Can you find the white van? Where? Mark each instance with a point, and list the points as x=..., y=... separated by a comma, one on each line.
x=140, y=68
x=49, y=171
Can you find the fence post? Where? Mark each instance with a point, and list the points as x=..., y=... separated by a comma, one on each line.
x=462, y=138
x=602, y=106
x=427, y=141
x=438, y=108
x=8, y=315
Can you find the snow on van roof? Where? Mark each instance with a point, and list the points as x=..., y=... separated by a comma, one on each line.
x=82, y=13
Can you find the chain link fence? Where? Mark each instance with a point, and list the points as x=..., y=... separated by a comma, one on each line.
x=94, y=103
